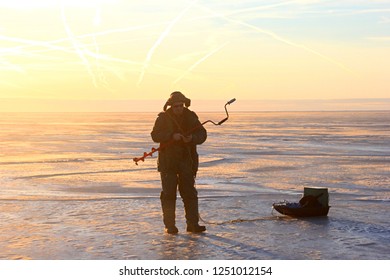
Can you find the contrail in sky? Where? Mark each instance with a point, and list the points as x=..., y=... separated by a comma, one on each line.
x=26, y=42
x=199, y=62
x=76, y=45
x=288, y=42
x=51, y=46
x=279, y=38
x=265, y=7
x=159, y=40
x=240, y=11
x=101, y=75
x=47, y=44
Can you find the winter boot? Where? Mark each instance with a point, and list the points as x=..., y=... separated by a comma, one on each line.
x=192, y=216
x=169, y=208
x=195, y=228
x=171, y=230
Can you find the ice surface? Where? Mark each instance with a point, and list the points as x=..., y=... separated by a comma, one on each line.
x=69, y=188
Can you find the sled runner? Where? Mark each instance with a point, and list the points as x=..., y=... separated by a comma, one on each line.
x=314, y=203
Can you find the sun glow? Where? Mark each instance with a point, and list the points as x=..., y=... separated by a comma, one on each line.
x=143, y=50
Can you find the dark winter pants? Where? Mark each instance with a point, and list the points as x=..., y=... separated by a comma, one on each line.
x=185, y=182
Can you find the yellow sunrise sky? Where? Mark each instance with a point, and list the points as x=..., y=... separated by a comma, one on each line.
x=210, y=50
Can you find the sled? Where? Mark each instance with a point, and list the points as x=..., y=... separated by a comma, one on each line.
x=314, y=203
x=294, y=209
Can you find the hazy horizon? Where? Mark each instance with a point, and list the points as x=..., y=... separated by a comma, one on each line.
x=51, y=105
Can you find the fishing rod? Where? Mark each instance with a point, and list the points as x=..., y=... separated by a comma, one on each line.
x=153, y=150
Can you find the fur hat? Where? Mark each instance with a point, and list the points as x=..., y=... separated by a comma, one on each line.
x=175, y=97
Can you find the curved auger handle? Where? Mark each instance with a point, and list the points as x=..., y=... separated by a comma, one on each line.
x=227, y=114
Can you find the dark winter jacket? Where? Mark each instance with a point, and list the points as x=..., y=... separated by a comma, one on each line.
x=173, y=155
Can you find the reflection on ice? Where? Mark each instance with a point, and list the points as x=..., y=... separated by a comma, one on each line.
x=70, y=190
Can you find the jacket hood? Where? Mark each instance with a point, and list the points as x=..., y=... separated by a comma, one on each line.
x=175, y=97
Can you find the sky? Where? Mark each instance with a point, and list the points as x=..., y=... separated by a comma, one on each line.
x=90, y=52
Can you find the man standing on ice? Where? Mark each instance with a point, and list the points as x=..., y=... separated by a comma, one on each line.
x=178, y=161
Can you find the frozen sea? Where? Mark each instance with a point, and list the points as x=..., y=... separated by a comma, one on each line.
x=70, y=190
